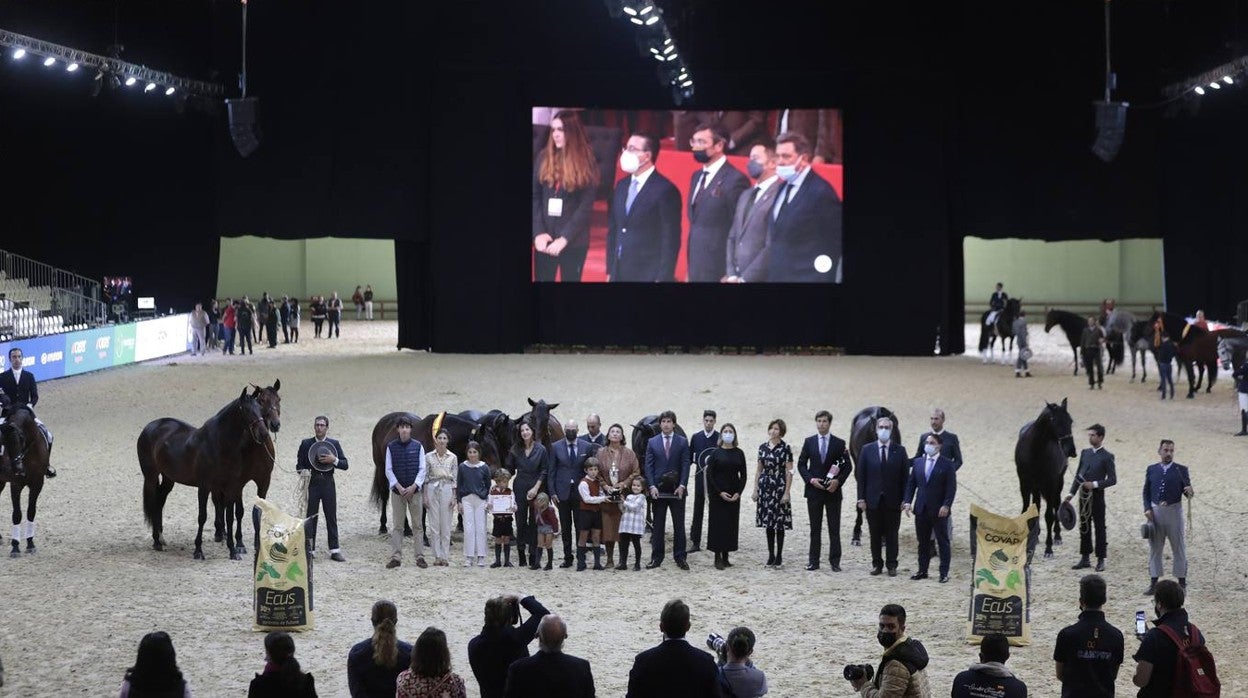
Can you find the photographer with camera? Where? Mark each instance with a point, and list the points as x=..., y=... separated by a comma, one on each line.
x=737, y=674
x=902, y=671
x=503, y=640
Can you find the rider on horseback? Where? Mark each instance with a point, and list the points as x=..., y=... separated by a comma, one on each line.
x=20, y=390
x=996, y=304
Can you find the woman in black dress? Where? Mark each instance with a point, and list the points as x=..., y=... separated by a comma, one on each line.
x=726, y=475
x=527, y=460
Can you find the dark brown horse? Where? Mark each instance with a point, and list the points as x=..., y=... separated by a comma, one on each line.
x=21, y=439
x=260, y=472
x=1198, y=350
x=214, y=458
x=461, y=431
x=1040, y=455
x=546, y=427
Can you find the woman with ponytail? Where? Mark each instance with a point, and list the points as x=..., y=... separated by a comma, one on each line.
x=374, y=664
x=282, y=677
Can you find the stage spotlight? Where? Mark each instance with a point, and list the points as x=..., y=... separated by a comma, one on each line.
x=169, y=91
x=19, y=54
x=49, y=62
x=643, y=13
x=131, y=80
x=150, y=86
x=71, y=68
x=1200, y=90
x=1215, y=85
x=1227, y=79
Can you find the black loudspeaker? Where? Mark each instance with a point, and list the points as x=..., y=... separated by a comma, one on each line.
x=245, y=124
x=1111, y=126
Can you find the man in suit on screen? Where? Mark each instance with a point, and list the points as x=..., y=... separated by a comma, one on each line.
x=713, y=193
x=746, y=260
x=643, y=219
x=805, y=236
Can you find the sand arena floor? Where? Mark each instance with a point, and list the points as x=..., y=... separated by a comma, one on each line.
x=76, y=610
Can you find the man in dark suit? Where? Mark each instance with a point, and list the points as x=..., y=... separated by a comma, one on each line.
x=824, y=467
x=593, y=431
x=643, y=219
x=713, y=194
x=321, y=489
x=503, y=641
x=674, y=668
x=667, y=454
x=747, y=238
x=742, y=128
x=22, y=390
x=1096, y=473
x=932, y=485
x=565, y=469
x=950, y=447
x=882, y=471
x=550, y=672
x=804, y=243
x=701, y=441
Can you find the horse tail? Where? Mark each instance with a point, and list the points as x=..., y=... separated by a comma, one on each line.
x=151, y=478
x=985, y=333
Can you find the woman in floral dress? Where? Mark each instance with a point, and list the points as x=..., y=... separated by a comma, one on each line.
x=772, y=482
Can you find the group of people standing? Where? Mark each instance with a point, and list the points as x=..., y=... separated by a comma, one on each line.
x=245, y=323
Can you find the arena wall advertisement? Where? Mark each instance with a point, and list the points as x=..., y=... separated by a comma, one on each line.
x=69, y=354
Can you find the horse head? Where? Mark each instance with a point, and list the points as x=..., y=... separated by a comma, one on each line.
x=502, y=427
x=252, y=417
x=539, y=419
x=270, y=404
x=1050, y=319
x=1063, y=426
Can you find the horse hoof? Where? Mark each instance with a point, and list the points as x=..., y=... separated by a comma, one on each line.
x=241, y=550
x=382, y=530
x=199, y=555
x=234, y=555
x=158, y=546
x=1048, y=554
x=217, y=538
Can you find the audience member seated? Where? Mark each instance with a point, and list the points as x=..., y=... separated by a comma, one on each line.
x=373, y=665
x=990, y=677
x=550, y=672
x=502, y=641
x=282, y=677
x=430, y=675
x=745, y=679
x=155, y=671
x=674, y=667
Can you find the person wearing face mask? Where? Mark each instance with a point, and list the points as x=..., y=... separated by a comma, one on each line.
x=805, y=234
x=565, y=179
x=726, y=476
x=1156, y=661
x=883, y=468
x=932, y=485
x=1089, y=653
x=747, y=238
x=713, y=193
x=643, y=218
x=566, y=467
x=902, y=672
x=741, y=128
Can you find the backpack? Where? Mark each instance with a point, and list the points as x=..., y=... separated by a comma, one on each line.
x=1194, y=670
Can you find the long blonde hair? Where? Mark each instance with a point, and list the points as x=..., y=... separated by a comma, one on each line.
x=385, y=639
x=573, y=166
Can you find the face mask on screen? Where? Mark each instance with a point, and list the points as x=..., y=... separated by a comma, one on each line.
x=702, y=156
x=629, y=162
x=754, y=169
x=787, y=172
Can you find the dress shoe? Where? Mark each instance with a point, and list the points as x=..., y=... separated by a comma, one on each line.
x=836, y=567
x=567, y=562
x=393, y=563
x=944, y=579
x=1183, y=582
x=719, y=564
x=622, y=566
x=682, y=565
x=877, y=571
x=420, y=562
x=1100, y=564
x=653, y=564
x=1083, y=564
x=1152, y=587
x=337, y=557
x=892, y=571
x=811, y=567
x=695, y=548
x=916, y=575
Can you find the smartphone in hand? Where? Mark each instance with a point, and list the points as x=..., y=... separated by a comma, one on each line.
x=1141, y=624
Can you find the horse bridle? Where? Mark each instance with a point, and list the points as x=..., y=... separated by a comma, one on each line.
x=251, y=429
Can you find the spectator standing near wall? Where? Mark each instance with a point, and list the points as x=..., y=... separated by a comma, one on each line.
x=368, y=302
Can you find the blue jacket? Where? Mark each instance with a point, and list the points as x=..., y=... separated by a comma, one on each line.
x=406, y=459
x=930, y=495
x=676, y=462
x=882, y=485
x=950, y=447
x=1167, y=488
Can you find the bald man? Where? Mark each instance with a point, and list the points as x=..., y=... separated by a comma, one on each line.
x=550, y=672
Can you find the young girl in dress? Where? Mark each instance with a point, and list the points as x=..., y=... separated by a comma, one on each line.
x=504, y=513
x=546, y=519
x=632, y=523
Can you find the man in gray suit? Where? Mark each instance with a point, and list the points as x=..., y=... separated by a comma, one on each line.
x=747, y=239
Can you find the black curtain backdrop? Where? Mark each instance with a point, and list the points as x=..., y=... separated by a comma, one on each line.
x=410, y=121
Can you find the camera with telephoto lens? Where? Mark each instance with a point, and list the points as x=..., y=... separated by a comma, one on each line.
x=718, y=645
x=855, y=672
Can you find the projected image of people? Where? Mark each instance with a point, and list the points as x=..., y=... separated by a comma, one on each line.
x=626, y=196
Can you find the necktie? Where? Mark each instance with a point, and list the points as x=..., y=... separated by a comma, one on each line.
x=927, y=475
x=697, y=191
x=632, y=194
x=823, y=448
x=667, y=446
x=572, y=449
x=784, y=198
x=749, y=203
x=883, y=454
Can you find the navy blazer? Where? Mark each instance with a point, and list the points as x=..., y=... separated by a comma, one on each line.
x=930, y=495
x=882, y=485
x=549, y=674
x=1166, y=488
x=809, y=226
x=643, y=243
x=809, y=465
x=23, y=392
x=710, y=218
x=657, y=464
x=563, y=471
x=674, y=668
x=699, y=443
x=949, y=446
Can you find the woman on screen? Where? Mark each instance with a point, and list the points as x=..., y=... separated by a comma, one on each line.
x=565, y=180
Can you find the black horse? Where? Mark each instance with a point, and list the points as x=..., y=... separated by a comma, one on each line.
x=22, y=440
x=862, y=433
x=645, y=429
x=496, y=422
x=546, y=427
x=1072, y=325
x=1002, y=328
x=1044, y=445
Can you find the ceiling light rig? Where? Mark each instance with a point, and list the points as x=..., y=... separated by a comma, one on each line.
x=655, y=42
x=1229, y=74
x=19, y=47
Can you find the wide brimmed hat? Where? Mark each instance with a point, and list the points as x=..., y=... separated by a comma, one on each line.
x=1066, y=515
x=1146, y=530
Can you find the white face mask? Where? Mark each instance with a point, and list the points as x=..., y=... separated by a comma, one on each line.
x=931, y=449
x=884, y=434
x=629, y=162
x=787, y=172
x=728, y=437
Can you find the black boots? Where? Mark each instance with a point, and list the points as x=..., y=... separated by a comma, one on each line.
x=1243, y=423
x=498, y=555
x=535, y=559
x=1083, y=564
x=520, y=554
x=598, y=558
x=580, y=558
x=507, y=555
x=550, y=559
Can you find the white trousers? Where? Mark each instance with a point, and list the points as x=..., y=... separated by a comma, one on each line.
x=474, y=526
x=368, y=310
x=441, y=518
